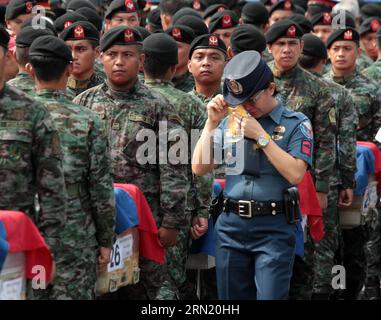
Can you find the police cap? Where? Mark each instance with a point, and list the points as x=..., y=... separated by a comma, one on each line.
x=245, y=75
x=314, y=46
x=207, y=41
x=348, y=34
x=162, y=47
x=19, y=7
x=81, y=30
x=27, y=35
x=181, y=33
x=247, y=37
x=283, y=29
x=127, y=6
x=223, y=20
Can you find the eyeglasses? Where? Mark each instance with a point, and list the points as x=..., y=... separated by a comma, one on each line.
x=256, y=97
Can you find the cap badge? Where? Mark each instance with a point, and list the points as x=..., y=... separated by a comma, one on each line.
x=67, y=24
x=348, y=35
x=130, y=6
x=287, y=5
x=79, y=32
x=227, y=21
x=375, y=25
x=213, y=41
x=176, y=33
x=129, y=36
x=327, y=18
x=235, y=87
x=29, y=7
x=291, y=32
x=196, y=5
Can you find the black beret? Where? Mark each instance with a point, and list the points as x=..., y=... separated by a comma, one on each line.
x=48, y=23
x=50, y=46
x=181, y=33
x=185, y=12
x=301, y=3
x=162, y=47
x=74, y=5
x=350, y=20
x=322, y=18
x=314, y=9
x=211, y=10
x=299, y=9
x=245, y=74
x=282, y=5
x=255, y=13
x=18, y=7
x=67, y=19
x=143, y=31
x=27, y=35
x=371, y=24
x=223, y=20
x=92, y=16
x=121, y=35
x=4, y=37
x=154, y=18
x=81, y=30
x=348, y=34
x=314, y=46
x=302, y=21
x=196, y=24
x=283, y=29
x=247, y=37
x=370, y=10
x=121, y=6
x=207, y=41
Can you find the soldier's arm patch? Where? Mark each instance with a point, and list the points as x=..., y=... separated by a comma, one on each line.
x=306, y=129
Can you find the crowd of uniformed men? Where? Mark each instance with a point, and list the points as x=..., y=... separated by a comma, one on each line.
x=79, y=81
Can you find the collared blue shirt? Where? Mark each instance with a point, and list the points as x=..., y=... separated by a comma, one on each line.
x=258, y=179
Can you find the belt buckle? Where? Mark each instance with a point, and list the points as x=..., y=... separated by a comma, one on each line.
x=241, y=208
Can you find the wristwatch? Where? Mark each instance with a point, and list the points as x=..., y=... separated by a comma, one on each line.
x=263, y=141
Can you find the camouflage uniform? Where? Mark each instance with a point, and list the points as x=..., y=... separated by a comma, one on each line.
x=302, y=91
x=24, y=82
x=374, y=71
x=164, y=185
x=90, y=204
x=75, y=87
x=199, y=190
x=184, y=83
x=327, y=251
x=367, y=97
x=31, y=163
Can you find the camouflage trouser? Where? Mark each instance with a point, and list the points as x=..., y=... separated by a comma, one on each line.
x=75, y=277
x=373, y=254
x=327, y=250
x=303, y=273
x=175, y=258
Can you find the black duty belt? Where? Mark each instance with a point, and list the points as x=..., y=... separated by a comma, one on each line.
x=251, y=208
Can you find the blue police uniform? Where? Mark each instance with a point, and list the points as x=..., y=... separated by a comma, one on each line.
x=254, y=256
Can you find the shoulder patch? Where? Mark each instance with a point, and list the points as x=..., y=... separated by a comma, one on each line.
x=306, y=129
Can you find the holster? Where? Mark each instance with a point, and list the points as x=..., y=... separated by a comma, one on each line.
x=291, y=204
x=216, y=206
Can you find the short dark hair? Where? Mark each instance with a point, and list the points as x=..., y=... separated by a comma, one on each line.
x=309, y=62
x=48, y=68
x=154, y=67
x=170, y=7
x=22, y=55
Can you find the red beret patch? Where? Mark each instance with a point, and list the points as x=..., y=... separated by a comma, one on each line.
x=348, y=35
x=213, y=41
x=129, y=36
x=375, y=25
x=79, y=32
x=227, y=21
x=130, y=6
x=327, y=19
x=176, y=33
x=291, y=32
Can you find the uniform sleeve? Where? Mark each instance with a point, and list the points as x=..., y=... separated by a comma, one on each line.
x=300, y=145
x=173, y=177
x=47, y=157
x=101, y=186
x=324, y=138
x=347, y=124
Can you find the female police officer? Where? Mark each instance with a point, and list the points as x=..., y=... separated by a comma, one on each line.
x=255, y=235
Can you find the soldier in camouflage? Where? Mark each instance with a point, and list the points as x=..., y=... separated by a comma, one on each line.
x=30, y=159
x=128, y=106
x=83, y=39
x=342, y=181
x=161, y=58
x=23, y=80
x=306, y=93
x=90, y=224
x=374, y=71
x=183, y=79
x=343, y=49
